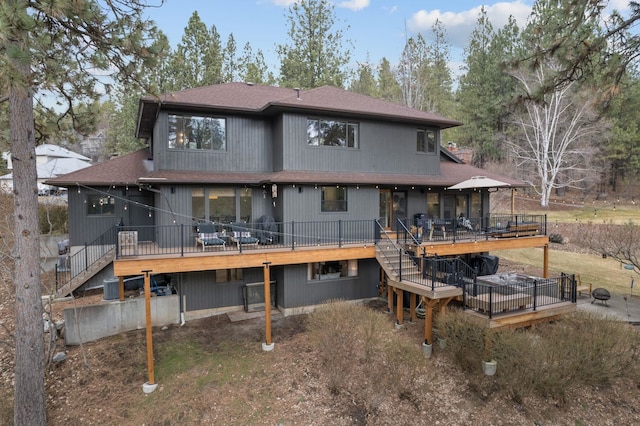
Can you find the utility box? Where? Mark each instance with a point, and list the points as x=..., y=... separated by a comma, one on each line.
x=110, y=287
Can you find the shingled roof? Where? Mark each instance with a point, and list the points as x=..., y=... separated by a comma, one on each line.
x=255, y=99
x=135, y=168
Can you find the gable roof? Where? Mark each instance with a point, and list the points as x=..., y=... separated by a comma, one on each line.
x=135, y=168
x=247, y=98
x=50, y=150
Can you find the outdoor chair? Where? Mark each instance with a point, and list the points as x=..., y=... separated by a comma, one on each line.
x=244, y=238
x=208, y=237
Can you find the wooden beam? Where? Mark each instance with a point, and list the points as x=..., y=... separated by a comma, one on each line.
x=390, y=298
x=412, y=307
x=249, y=258
x=545, y=262
x=147, y=304
x=448, y=248
x=428, y=320
x=121, y=288
x=267, y=303
x=399, y=307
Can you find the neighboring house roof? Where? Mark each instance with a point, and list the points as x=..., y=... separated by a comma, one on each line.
x=123, y=170
x=249, y=98
x=135, y=168
x=55, y=151
x=50, y=169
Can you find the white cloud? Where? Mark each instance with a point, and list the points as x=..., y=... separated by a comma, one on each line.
x=460, y=25
x=354, y=4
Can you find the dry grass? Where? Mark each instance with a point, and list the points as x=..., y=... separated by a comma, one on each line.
x=548, y=361
x=601, y=272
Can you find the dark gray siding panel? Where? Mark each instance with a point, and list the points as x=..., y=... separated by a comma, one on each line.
x=84, y=229
x=305, y=205
x=249, y=148
x=202, y=291
x=278, y=147
x=299, y=292
x=384, y=148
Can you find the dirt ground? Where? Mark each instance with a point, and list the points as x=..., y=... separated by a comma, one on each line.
x=100, y=383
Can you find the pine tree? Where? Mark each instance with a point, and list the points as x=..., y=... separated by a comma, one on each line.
x=55, y=47
x=315, y=55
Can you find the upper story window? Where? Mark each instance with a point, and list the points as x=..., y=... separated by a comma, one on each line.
x=427, y=141
x=193, y=132
x=332, y=133
x=334, y=199
x=100, y=205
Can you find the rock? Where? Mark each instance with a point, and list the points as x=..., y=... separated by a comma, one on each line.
x=59, y=357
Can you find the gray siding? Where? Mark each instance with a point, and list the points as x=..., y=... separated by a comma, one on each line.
x=384, y=148
x=299, y=292
x=203, y=292
x=84, y=229
x=305, y=205
x=249, y=148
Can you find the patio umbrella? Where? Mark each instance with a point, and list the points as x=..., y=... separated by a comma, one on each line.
x=478, y=182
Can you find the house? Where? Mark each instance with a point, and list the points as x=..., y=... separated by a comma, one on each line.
x=324, y=193
x=51, y=161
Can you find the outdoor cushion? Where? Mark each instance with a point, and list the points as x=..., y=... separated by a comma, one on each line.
x=244, y=238
x=210, y=239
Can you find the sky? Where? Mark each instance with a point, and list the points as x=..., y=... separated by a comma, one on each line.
x=377, y=28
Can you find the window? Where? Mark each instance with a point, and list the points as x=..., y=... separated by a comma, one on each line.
x=100, y=204
x=332, y=133
x=334, y=199
x=190, y=132
x=228, y=275
x=221, y=205
x=332, y=270
x=427, y=141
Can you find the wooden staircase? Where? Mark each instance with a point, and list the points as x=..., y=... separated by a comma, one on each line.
x=86, y=274
x=403, y=272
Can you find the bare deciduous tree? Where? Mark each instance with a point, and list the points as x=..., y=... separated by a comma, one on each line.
x=558, y=132
x=620, y=242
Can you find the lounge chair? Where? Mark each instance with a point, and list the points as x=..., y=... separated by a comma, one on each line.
x=244, y=238
x=208, y=237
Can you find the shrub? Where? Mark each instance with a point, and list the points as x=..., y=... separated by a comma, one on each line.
x=556, y=238
x=577, y=350
x=364, y=359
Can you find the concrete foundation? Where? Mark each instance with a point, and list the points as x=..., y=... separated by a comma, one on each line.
x=93, y=322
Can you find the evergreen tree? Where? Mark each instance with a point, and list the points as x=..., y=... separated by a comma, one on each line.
x=252, y=68
x=55, y=47
x=315, y=55
x=197, y=60
x=388, y=87
x=365, y=81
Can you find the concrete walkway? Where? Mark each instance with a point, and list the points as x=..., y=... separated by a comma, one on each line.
x=619, y=307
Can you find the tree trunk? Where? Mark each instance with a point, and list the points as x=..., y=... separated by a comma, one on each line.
x=29, y=392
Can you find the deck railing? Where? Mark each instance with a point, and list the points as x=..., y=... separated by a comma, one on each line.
x=474, y=228
x=70, y=265
x=181, y=239
x=519, y=294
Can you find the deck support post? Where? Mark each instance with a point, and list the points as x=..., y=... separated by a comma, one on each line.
x=390, y=298
x=399, y=307
x=428, y=319
x=268, y=345
x=545, y=262
x=121, y=288
x=412, y=307
x=151, y=385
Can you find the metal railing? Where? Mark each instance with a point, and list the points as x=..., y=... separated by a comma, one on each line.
x=522, y=294
x=181, y=239
x=419, y=268
x=474, y=228
x=69, y=266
